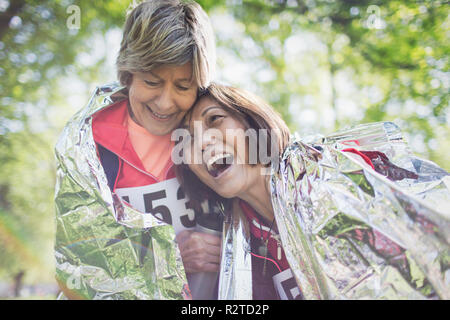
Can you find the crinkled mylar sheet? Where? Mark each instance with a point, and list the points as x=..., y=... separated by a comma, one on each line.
x=348, y=231
x=352, y=233
x=105, y=249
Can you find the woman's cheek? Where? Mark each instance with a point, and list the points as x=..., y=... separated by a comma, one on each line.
x=189, y=152
x=200, y=172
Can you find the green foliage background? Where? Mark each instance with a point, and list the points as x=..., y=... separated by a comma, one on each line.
x=322, y=64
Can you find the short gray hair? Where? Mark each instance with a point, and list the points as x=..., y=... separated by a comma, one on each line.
x=167, y=32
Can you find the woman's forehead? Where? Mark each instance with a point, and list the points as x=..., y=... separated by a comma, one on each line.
x=195, y=114
x=201, y=105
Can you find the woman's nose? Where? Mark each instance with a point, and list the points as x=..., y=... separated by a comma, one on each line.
x=165, y=100
x=206, y=142
x=210, y=138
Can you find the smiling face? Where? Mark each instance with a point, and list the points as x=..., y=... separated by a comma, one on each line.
x=159, y=99
x=219, y=142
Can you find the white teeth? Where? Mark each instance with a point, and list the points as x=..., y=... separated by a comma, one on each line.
x=160, y=116
x=212, y=160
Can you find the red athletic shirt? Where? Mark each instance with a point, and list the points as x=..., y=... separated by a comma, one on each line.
x=110, y=130
x=274, y=245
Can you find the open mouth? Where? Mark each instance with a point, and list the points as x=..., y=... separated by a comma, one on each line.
x=219, y=164
x=159, y=116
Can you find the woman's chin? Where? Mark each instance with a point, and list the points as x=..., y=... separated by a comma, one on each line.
x=226, y=183
x=227, y=194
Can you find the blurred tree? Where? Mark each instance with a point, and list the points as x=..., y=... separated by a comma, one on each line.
x=40, y=42
x=44, y=47
x=369, y=61
x=323, y=64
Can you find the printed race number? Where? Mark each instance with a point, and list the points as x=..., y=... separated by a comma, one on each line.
x=166, y=200
x=286, y=286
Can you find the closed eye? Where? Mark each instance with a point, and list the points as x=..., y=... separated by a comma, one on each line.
x=183, y=88
x=151, y=83
x=214, y=118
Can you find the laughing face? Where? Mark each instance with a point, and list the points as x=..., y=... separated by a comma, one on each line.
x=159, y=99
x=218, y=152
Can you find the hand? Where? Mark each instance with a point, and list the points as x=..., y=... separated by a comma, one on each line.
x=200, y=252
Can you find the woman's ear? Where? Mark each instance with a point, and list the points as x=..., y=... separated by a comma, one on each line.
x=127, y=79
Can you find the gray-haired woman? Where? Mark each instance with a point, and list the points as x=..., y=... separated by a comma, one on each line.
x=119, y=205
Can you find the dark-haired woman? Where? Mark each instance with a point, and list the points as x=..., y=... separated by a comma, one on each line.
x=349, y=216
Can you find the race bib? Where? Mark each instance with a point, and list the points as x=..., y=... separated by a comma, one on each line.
x=286, y=286
x=165, y=200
